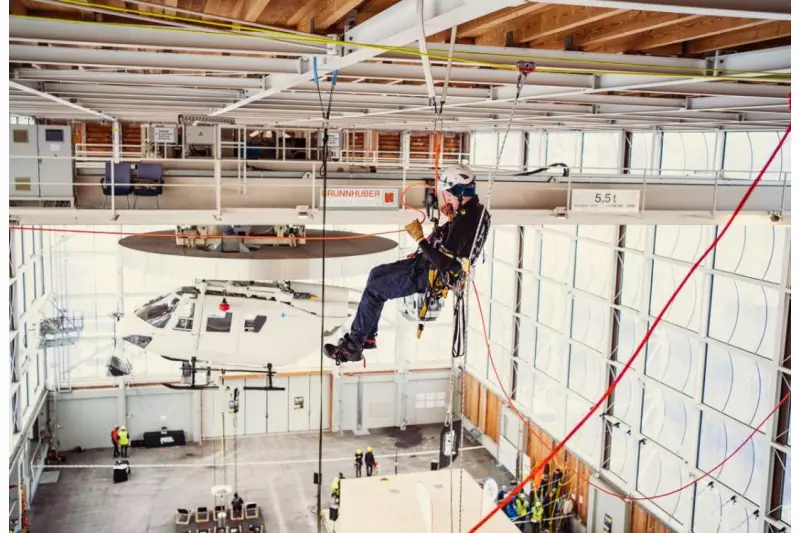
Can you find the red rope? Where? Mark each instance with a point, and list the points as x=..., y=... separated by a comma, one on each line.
x=586, y=479
x=513, y=493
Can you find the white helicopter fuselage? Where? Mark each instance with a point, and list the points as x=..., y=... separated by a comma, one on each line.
x=238, y=323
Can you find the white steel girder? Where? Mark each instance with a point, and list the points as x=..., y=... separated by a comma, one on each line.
x=764, y=9
x=395, y=26
x=30, y=90
x=131, y=36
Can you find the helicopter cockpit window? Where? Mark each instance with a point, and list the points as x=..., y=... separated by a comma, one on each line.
x=219, y=323
x=253, y=324
x=158, y=312
x=185, y=314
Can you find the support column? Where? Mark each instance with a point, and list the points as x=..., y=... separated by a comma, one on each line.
x=122, y=404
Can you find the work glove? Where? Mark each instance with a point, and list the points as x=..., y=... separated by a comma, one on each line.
x=414, y=228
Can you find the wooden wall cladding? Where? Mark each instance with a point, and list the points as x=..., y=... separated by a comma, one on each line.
x=389, y=145
x=482, y=408
x=644, y=522
x=452, y=146
x=98, y=133
x=356, y=141
x=131, y=136
x=420, y=145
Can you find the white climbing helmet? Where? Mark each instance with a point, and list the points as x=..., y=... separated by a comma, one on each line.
x=458, y=179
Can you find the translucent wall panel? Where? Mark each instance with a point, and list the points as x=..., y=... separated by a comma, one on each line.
x=715, y=510
x=486, y=148
x=556, y=257
x=623, y=405
x=587, y=439
x=554, y=307
x=587, y=373
x=504, y=284
x=564, y=147
x=745, y=472
x=630, y=332
x=669, y=419
x=549, y=403
x=634, y=281
x=673, y=357
x=786, y=492
x=747, y=152
x=594, y=268
x=643, y=153
x=741, y=387
x=683, y=243
x=752, y=251
x=536, y=146
x=622, y=453
x=661, y=472
x=686, y=309
x=590, y=323
x=744, y=315
x=601, y=153
x=689, y=154
x=552, y=354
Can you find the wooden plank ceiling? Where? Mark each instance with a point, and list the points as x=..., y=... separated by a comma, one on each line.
x=533, y=25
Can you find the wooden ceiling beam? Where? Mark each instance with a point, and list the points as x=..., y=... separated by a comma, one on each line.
x=765, y=32
x=302, y=14
x=477, y=27
x=700, y=28
x=329, y=12
x=252, y=9
x=628, y=25
x=17, y=8
x=561, y=19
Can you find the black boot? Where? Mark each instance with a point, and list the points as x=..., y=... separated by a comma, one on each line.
x=346, y=351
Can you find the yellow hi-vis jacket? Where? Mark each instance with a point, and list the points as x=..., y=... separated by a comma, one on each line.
x=123, y=437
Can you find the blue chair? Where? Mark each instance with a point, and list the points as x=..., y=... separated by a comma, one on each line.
x=149, y=181
x=123, y=185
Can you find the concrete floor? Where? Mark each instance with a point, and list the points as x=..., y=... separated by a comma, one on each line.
x=85, y=499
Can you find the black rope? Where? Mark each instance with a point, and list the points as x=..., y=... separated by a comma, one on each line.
x=564, y=173
x=326, y=115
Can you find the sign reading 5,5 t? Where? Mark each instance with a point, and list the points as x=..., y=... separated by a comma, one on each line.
x=604, y=201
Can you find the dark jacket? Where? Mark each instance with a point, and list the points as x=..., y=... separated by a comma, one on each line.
x=369, y=459
x=456, y=238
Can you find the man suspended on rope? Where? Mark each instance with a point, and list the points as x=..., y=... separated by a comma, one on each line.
x=440, y=259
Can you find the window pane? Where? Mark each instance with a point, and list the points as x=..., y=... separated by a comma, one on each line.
x=564, y=148
x=622, y=406
x=668, y=419
x=636, y=237
x=688, y=154
x=587, y=439
x=536, y=144
x=714, y=511
x=555, y=257
x=506, y=244
x=530, y=295
x=672, y=358
x=219, y=324
x=601, y=153
x=530, y=248
x=737, y=385
x=590, y=320
x=594, y=268
x=501, y=328
x=622, y=456
x=630, y=332
x=661, y=472
x=552, y=352
x=752, y=251
x=587, y=373
x=686, y=309
x=634, y=281
x=744, y=315
x=504, y=284
x=745, y=472
x=747, y=152
x=554, y=306
x=684, y=243
x=643, y=154
x=549, y=405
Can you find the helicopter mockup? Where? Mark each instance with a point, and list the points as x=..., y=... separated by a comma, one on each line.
x=237, y=324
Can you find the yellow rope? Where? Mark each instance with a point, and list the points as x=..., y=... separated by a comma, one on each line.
x=300, y=39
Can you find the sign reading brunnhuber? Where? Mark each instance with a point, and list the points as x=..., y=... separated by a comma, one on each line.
x=360, y=198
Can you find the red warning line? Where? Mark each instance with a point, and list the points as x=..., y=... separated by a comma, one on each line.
x=539, y=466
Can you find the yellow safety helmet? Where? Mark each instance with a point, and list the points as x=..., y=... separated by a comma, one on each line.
x=369, y=448
x=122, y=428
x=358, y=451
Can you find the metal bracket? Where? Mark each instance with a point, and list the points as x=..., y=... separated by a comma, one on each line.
x=304, y=65
x=335, y=49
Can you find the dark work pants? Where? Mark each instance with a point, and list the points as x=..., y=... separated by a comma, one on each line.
x=369, y=470
x=386, y=282
x=358, y=470
x=116, y=448
x=124, y=450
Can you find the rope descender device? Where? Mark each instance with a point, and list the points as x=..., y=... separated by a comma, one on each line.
x=524, y=68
